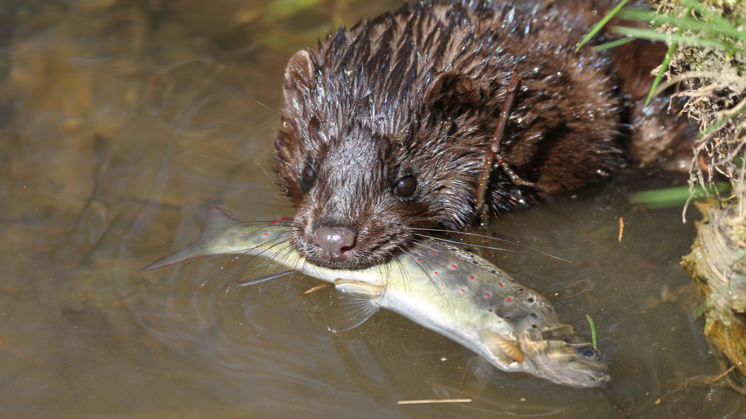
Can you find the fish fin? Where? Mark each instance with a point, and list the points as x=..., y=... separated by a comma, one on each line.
x=556, y=332
x=506, y=350
x=260, y=269
x=353, y=303
x=358, y=287
x=217, y=220
x=476, y=376
x=172, y=259
x=263, y=278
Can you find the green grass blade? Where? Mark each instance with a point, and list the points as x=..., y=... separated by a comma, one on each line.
x=706, y=12
x=675, y=37
x=661, y=71
x=601, y=24
x=719, y=124
x=677, y=196
x=593, y=330
x=613, y=44
x=685, y=23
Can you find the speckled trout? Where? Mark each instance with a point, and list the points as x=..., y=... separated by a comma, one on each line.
x=439, y=286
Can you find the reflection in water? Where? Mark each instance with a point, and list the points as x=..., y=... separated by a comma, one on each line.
x=120, y=123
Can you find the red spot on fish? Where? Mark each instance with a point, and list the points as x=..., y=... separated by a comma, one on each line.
x=471, y=277
x=433, y=252
x=487, y=295
x=266, y=234
x=418, y=260
x=499, y=284
x=277, y=220
x=243, y=234
x=454, y=266
x=490, y=310
x=435, y=272
x=463, y=290
x=508, y=299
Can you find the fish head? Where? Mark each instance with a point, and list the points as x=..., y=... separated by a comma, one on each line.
x=563, y=360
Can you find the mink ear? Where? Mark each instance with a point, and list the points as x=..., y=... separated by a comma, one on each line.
x=452, y=93
x=299, y=74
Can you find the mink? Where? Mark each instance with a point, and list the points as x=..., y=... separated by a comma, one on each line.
x=386, y=125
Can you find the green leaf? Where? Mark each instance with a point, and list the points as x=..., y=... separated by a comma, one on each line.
x=706, y=12
x=593, y=330
x=613, y=44
x=685, y=23
x=662, y=70
x=601, y=24
x=719, y=124
x=674, y=37
x=676, y=196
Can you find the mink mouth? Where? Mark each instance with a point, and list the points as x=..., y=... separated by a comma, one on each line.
x=369, y=251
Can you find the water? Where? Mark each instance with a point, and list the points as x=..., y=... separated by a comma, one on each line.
x=121, y=123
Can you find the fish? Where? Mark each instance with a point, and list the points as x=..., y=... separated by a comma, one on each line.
x=437, y=285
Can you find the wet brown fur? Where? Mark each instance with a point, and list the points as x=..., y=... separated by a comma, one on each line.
x=417, y=92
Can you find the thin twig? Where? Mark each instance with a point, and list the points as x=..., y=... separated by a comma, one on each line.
x=495, y=143
x=431, y=401
x=317, y=287
x=722, y=374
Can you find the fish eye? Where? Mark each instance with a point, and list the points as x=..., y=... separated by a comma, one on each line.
x=307, y=178
x=589, y=353
x=405, y=186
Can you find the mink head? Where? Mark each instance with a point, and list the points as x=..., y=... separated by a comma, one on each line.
x=370, y=149
x=385, y=126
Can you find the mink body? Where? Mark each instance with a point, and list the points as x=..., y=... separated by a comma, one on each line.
x=386, y=126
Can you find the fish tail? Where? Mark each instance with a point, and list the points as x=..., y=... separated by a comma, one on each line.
x=217, y=221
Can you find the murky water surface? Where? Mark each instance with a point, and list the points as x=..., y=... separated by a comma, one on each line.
x=121, y=122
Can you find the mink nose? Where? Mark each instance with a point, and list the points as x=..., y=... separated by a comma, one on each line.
x=334, y=241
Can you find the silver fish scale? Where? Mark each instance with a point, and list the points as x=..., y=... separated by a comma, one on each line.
x=245, y=237
x=450, y=267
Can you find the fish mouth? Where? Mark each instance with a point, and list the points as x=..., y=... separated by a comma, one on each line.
x=566, y=361
x=588, y=373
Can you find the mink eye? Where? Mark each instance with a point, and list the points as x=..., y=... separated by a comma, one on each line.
x=405, y=186
x=307, y=178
